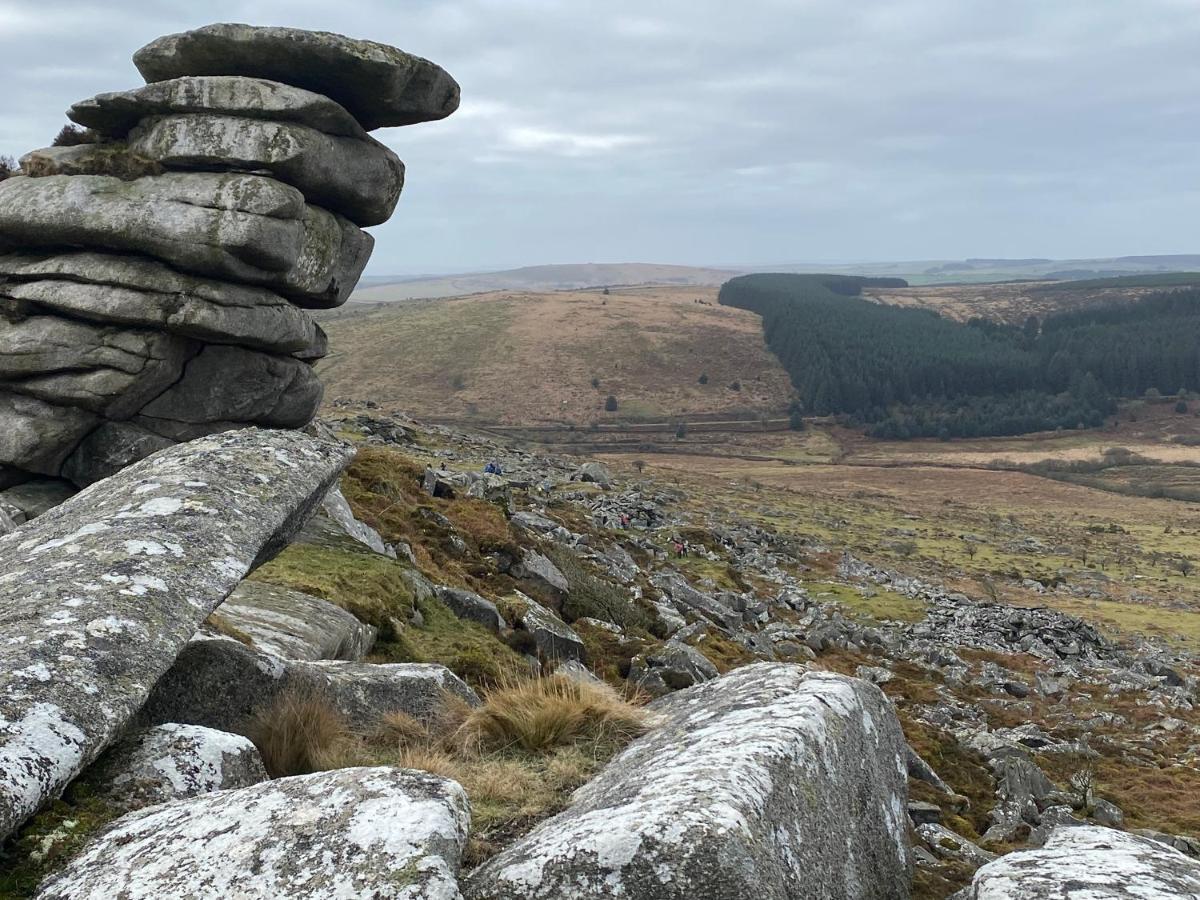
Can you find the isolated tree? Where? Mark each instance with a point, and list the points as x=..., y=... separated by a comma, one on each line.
x=703, y=379
x=640, y=465
x=595, y=382
x=735, y=386
x=681, y=431
x=1185, y=566
x=8, y=167
x=610, y=403
x=1181, y=406
x=796, y=420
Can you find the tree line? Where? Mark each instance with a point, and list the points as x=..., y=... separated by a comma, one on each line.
x=911, y=373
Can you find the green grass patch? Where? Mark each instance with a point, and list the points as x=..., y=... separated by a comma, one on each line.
x=881, y=606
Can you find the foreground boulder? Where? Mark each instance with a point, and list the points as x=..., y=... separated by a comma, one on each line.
x=102, y=592
x=1089, y=863
x=172, y=762
x=379, y=833
x=378, y=84
x=220, y=683
x=771, y=782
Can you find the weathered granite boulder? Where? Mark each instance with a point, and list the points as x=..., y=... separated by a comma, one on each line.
x=115, y=114
x=379, y=833
x=470, y=606
x=141, y=292
x=223, y=383
x=292, y=625
x=672, y=667
x=109, y=448
x=378, y=84
x=103, y=591
x=1089, y=863
x=37, y=436
x=555, y=639
x=221, y=683
x=359, y=178
x=224, y=225
x=537, y=568
x=171, y=762
x=337, y=509
x=771, y=782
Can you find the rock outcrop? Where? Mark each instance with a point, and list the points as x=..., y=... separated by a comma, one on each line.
x=153, y=284
x=1089, y=863
x=102, y=592
x=771, y=782
x=383, y=833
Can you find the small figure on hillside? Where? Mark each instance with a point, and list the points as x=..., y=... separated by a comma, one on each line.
x=624, y=521
x=678, y=549
x=492, y=468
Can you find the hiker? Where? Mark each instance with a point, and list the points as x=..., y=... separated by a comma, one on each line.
x=678, y=549
x=624, y=521
x=492, y=468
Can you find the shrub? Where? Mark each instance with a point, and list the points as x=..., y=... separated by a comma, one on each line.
x=610, y=403
x=735, y=386
x=703, y=379
x=8, y=167
x=298, y=734
x=594, y=598
x=73, y=136
x=595, y=382
x=1181, y=407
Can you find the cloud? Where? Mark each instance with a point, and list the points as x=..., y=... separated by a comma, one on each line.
x=707, y=132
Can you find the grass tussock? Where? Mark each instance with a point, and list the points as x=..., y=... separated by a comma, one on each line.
x=519, y=754
x=300, y=733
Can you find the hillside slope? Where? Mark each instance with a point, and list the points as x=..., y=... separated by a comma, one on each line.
x=529, y=358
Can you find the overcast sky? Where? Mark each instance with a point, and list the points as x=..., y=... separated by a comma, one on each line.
x=718, y=132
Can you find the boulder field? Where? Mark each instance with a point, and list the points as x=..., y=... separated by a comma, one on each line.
x=153, y=282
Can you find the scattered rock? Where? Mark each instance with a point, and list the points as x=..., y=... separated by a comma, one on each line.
x=672, y=667
x=292, y=625
x=470, y=606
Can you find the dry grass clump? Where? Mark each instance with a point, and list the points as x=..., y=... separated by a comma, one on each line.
x=519, y=755
x=299, y=733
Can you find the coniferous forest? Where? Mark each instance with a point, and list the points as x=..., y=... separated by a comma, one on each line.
x=911, y=373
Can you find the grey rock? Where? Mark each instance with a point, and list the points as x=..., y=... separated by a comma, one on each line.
x=233, y=384
x=232, y=226
x=293, y=625
x=1108, y=814
x=83, y=159
x=671, y=667
x=359, y=178
x=137, y=291
x=771, y=782
x=38, y=436
x=171, y=762
x=115, y=114
x=1089, y=863
x=380, y=832
x=37, y=496
x=922, y=813
x=945, y=844
x=380, y=85
x=103, y=591
x=919, y=769
x=110, y=448
x=537, y=568
x=223, y=684
x=577, y=671
x=102, y=369
x=594, y=472
x=338, y=509
x=554, y=638
x=470, y=606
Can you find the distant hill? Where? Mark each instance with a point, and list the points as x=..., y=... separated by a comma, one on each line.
x=531, y=358
x=538, y=278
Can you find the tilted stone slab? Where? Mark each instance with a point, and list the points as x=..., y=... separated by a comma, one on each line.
x=1089, y=863
x=359, y=178
x=221, y=683
x=233, y=226
x=172, y=762
x=108, y=449
x=771, y=782
x=108, y=370
x=36, y=436
x=293, y=625
x=381, y=833
x=100, y=593
x=232, y=384
x=134, y=290
x=115, y=114
x=378, y=84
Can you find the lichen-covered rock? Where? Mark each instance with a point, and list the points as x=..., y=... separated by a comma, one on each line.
x=359, y=178
x=101, y=592
x=222, y=684
x=380, y=833
x=772, y=782
x=555, y=639
x=378, y=84
x=141, y=292
x=336, y=507
x=225, y=225
x=672, y=667
x=110, y=448
x=116, y=113
x=233, y=384
x=171, y=762
x=537, y=568
x=1089, y=863
x=293, y=625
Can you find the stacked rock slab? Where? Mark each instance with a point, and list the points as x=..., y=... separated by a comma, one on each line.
x=153, y=285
